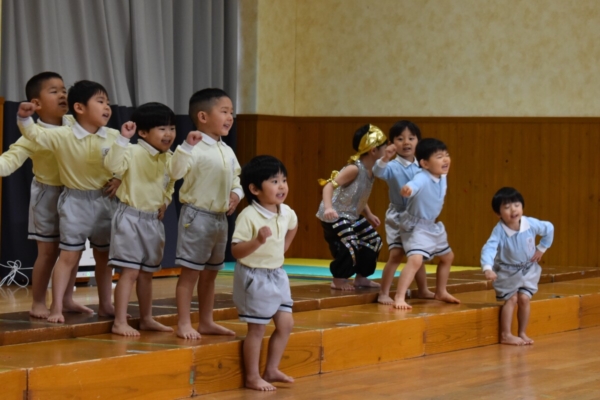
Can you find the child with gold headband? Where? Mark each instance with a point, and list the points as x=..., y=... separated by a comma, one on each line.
x=353, y=241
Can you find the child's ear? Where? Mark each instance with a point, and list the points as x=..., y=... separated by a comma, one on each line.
x=37, y=102
x=424, y=164
x=253, y=189
x=78, y=108
x=201, y=116
x=142, y=134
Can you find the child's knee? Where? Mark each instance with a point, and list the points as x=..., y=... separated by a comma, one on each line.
x=523, y=299
x=512, y=300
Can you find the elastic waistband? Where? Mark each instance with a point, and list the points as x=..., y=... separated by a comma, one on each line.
x=523, y=265
x=85, y=194
x=129, y=210
x=45, y=185
x=416, y=220
x=264, y=270
x=209, y=213
x=399, y=208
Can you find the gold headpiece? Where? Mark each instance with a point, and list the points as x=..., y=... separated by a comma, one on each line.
x=373, y=138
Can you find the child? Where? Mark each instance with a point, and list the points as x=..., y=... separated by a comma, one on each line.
x=353, y=241
x=397, y=167
x=47, y=91
x=211, y=190
x=84, y=209
x=145, y=193
x=510, y=259
x=421, y=235
x=261, y=290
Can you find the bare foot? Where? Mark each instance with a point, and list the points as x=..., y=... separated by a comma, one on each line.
x=39, y=310
x=422, y=294
x=188, y=332
x=365, y=282
x=151, y=324
x=214, y=329
x=402, y=305
x=277, y=376
x=385, y=299
x=526, y=338
x=74, y=307
x=341, y=284
x=108, y=311
x=259, y=384
x=512, y=340
x=124, y=330
x=56, y=318
x=446, y=297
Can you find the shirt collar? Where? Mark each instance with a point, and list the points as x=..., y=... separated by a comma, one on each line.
x=145, y=145
x=268, y=214
x=405, y=163
x=208, y=140
x=433, y=178
x=524, y=226
x=65, y=122
x=81, y=133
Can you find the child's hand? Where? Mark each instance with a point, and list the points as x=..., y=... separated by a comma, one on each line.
x=406, y=191
x=390, y=153
x=193, y=138
x=27, y=109
x=330, y=214
x=537, y=256
x=161, y=212
x=263, y=234
x=110, y=189
x=128, y=129
x=491, y=275
x=373, y=220
x=234, y=200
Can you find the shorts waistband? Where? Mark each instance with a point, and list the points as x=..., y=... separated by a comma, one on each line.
x=523, y=265
x=45, y=185
x=399, y=208
x=129, y=210
x=85, y=194
x=214, y=214
x=265, y=270
x=417, y=220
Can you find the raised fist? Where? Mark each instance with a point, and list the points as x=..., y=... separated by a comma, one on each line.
x=263, y=234
x=128, y=129
x=193, y=138
x=27, y=109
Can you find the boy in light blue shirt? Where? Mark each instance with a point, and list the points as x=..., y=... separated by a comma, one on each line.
x=423, y=237
x=510, y=260
x=397, y=167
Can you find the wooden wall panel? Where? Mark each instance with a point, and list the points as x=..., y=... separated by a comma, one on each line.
x=552, y=161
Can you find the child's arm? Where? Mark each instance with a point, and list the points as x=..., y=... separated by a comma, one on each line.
x=32, y=131
x=181, y=162
x=546, y=231
x=380, y=169
x=16, y=155
x=118, y=157
x=413, y=186
x=346, y=176
x=236, y=193
x=488, y=253
x=372, y=218
x=244, y=249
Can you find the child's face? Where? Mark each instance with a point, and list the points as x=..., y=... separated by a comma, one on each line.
x=218, y=120
x=406, y=144
x=438, y=163
x=273, y=192
x=96, y=112
x=511, y=213
x=159, y=137
x=52, y=100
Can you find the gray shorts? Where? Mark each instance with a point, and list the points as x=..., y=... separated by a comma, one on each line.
x=512, y=279
x=420, y=236
x=43, y=212
x=85, y=214
x=259, y=293
x=201, y=239
x=137, y=239
x=392, y=228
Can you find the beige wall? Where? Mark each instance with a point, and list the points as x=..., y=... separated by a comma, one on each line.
x=420, y=58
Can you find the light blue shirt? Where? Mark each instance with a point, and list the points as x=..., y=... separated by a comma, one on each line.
x=427, y=197
x=509, y=247
x=396, y=173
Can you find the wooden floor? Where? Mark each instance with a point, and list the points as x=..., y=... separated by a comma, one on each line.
x=82, y=359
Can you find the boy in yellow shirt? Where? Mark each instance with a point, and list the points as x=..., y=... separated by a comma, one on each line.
x=138, y=234
x=84, y=208
x=211, y=190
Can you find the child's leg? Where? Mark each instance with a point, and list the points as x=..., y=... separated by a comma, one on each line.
x=506, y=316
x=284, y=322
x=122, y=295
x=60, y=280
x=69, y=305
x=423, y=291
x=441, y=279
x=183, y=294
x=42, y=270
x=413, y=263
x=387, y=276
x=367, y=254
x=103, y=275
x=251, y=350
x=342, y=266
x=206, y=302
x=144, y=294
x=523, y=316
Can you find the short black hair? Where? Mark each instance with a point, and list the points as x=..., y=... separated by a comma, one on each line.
x=258, y=170
x=35, y=83
x=204, y=100
x=399, y=127
x=428, y=147
x=82, y=92
x=506, y=195
x=151, y=115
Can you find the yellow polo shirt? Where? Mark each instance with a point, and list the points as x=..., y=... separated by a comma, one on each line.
x=210, y=172
x=80, y=154
x=270, y=254
x=145, y=182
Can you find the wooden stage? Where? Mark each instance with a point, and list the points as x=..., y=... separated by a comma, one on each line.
x=334, y=331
